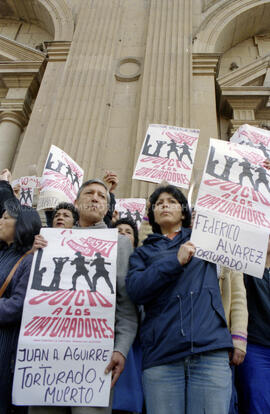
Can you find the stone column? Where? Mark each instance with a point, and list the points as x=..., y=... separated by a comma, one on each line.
x=166, y=85
x=204, y=114
x=11, y=126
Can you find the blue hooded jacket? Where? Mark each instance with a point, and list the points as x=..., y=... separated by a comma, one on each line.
x=183, y=309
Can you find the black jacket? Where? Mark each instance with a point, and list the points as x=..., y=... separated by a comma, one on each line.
x=258, y=300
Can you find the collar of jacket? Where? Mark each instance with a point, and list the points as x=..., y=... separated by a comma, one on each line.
x=99, y=225
x=184, y=235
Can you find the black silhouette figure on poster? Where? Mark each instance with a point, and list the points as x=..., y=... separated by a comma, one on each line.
x=147, y=146
x=186, y=151
x=59, y=264
x=129, y=215
x=137, y=216
x=28, y=196
x=262, y=179
x=76, y=180
x=59, y=166
x=49, y=163
x=81, y=270
x=38, y=273
x=100, y=263
x=211, y=165
x=158, y=148
x=263, y=149
x=69, y=172
x=22, y=196
x=227, y=169
x=173, y=149
x=247, y=172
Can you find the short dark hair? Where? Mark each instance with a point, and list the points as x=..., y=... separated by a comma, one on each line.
x=133, y=225
x=66, y=206
x=28, y=224
x=178, y=195
x=94, y=181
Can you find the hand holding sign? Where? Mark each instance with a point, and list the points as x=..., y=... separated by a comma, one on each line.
x=5, y=175
x=185, y=253
x=116, y=366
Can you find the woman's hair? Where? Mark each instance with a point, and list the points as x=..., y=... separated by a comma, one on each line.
x=178, y=195
x=67, y=206
x=133, y=225
x=27, y=225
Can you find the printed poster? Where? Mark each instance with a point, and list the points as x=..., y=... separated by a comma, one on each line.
x=229, y=243
x=168, y=153
x=235, y=184
x=27, y=188
x=61, y=180
x=131, y=208
x=253, y=137
x=67, y=331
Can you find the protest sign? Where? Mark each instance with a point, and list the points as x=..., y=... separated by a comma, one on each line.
x=254, y=137
x=235, y=184
x=229, y=243
x=168, y=154
x=61, y=179
x=67, y=331
x=27, y=188
x=131, y=208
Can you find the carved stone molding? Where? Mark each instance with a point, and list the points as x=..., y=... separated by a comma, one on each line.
x=128, y=77
x=57, y=51
x=205, y=64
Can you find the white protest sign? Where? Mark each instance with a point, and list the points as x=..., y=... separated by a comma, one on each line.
x=235, y=184
x=168, y=154
x=226, y=242
x=254, y=137
x=61, y=179
x=67, y=331
x=131, y=208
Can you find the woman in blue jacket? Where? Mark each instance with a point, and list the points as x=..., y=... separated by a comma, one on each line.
x=184, y=335
x=18, y=226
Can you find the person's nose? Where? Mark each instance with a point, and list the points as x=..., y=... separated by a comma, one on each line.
x=94, y=198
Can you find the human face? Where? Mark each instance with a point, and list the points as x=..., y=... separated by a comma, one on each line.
x=63, y=219
x=92, y=204
x=7, y=228
x=126, y=230
x=168, y=213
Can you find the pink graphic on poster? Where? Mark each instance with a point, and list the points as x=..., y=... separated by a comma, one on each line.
x=67, y=332
x=235, y=183
x=131, y=208
x=253, y=137
x=168, y=154
x=62, y=177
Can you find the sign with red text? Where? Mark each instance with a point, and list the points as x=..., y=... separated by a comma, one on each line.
x=27, y=188
x=168, y=154
x=131, y=208
x=254, y=138
x=67, y=331
x=229, y=243
x=235, y=184
x=61, y=180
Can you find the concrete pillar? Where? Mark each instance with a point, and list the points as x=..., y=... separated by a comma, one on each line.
x=10, y=131
x=204, y=112
x=166, y=85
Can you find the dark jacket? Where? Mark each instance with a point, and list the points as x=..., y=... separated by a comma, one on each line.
x=258, y=300
x=11, y=307
x=184, y=312
x=6, y=193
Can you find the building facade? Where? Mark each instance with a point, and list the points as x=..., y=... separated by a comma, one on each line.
x=90, y=75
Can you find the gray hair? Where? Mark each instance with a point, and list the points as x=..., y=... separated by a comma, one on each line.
x=94, y=181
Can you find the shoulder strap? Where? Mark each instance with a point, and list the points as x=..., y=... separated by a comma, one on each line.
x=11, y=274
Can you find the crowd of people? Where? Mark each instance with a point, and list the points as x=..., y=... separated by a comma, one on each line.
x=190, y=337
